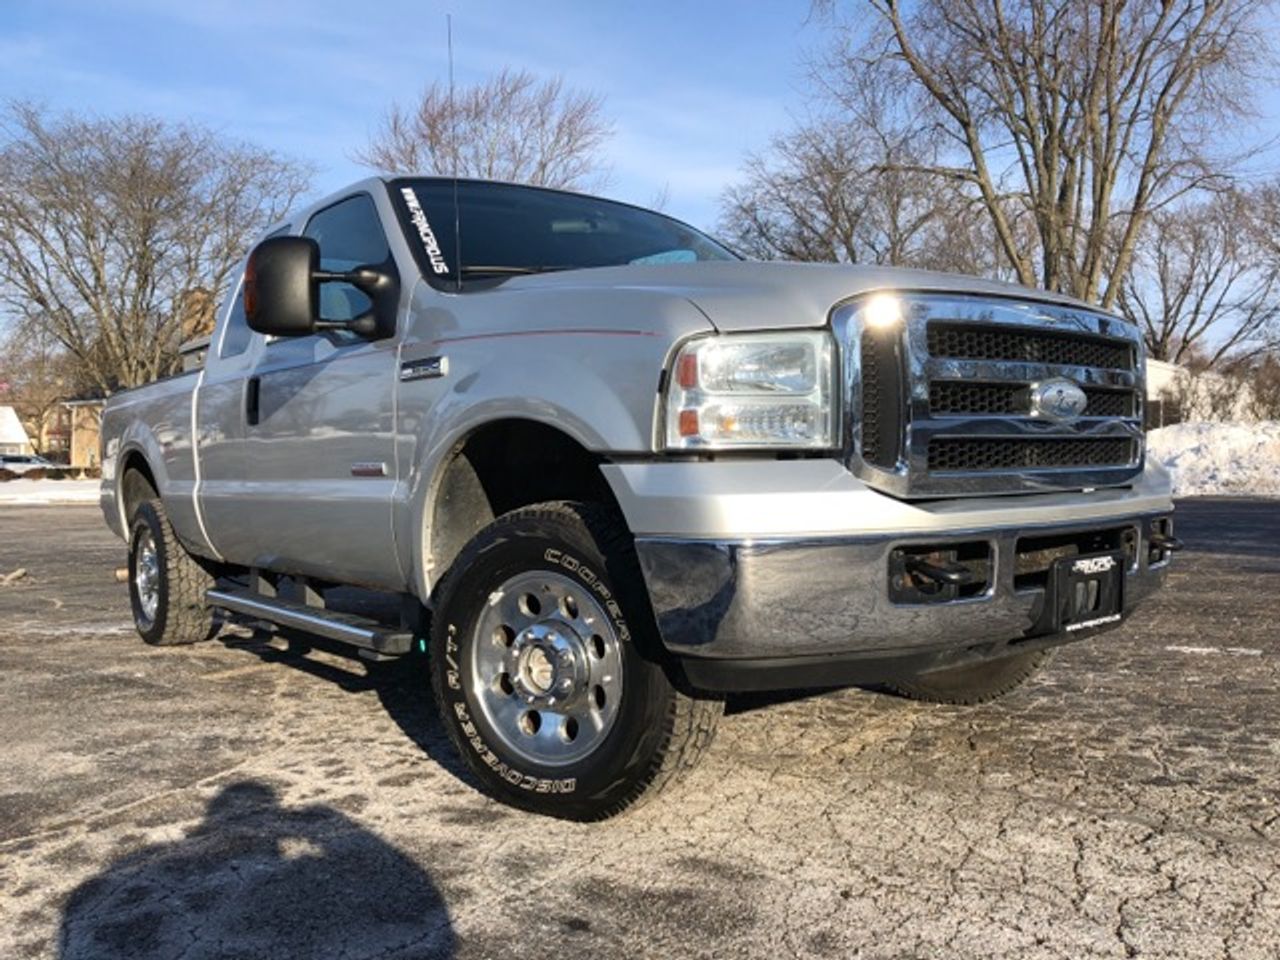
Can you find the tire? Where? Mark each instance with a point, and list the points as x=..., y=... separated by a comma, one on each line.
x=545, y=665
x=974, y=683
x=166, y=584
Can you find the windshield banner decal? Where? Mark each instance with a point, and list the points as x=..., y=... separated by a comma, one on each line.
x=418, y=216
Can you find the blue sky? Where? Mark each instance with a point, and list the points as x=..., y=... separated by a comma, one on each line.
x=691, y=86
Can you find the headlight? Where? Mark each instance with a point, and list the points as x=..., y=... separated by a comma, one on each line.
x=752, y=390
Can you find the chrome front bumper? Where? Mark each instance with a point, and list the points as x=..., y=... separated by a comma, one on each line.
x=819, y=598
x=778, y=573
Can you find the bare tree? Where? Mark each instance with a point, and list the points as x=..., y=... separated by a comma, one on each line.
x=843, y=187
x=804, y=199
x=1082, y=115
x=36, y=375
x=510, y=127
x=1205, y=281
x=115, y=233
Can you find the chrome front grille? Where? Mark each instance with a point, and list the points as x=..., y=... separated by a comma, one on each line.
x=943, y=402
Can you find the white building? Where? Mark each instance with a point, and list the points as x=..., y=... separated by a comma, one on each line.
x=13, y=438
x=1174, y=393
x=1161, y=378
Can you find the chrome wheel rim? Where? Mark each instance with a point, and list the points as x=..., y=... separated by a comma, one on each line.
x=545, y=667
x=146, y=577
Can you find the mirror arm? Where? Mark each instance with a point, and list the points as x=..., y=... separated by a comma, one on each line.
x=363, y=278
x=374, y=283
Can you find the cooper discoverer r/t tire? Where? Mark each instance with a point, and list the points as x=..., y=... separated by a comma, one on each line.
x=166, y=584
x=543, y=665
x=975, y=683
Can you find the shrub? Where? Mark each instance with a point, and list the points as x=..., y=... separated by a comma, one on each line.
x=8, y=475
x=61, y=473
x=1264, y=401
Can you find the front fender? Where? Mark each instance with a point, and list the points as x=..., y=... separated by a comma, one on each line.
x=558, y=396
x=587, y=365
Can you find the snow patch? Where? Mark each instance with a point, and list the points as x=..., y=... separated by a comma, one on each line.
x=44, y=492
x=1206, y=651
x=1223, y=459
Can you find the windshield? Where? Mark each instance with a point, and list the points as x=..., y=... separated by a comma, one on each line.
x=509, y=230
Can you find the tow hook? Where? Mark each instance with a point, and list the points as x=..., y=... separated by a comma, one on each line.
x=1166, y=542
x=947, y=574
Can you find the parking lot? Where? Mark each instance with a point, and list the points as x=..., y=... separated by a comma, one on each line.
x=240, y=799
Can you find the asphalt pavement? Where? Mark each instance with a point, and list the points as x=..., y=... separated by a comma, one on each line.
x=241, y=799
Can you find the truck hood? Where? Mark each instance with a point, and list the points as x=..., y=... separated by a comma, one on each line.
x=750, y=295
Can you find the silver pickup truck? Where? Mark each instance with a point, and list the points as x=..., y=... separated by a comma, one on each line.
x=613, y=471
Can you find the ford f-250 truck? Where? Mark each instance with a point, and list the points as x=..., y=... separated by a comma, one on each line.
x=615, y=471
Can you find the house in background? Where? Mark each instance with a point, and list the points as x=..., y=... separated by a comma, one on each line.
x=85, y=425
x=13, y=436
x=69, y=433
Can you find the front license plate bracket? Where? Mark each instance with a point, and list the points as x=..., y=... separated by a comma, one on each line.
x=1086, y=593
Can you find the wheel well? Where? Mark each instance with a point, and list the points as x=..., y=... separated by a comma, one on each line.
x=137, y=484
x=501, y=467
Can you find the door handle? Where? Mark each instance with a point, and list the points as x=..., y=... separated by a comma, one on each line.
x=251, y=393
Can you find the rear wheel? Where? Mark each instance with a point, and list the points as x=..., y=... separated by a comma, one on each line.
x=973, y=683
x=166, y=584
x=543, y=663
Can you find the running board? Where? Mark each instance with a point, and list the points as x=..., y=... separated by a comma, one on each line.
x=345, y=627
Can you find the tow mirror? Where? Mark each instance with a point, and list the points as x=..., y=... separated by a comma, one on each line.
x=281, y=291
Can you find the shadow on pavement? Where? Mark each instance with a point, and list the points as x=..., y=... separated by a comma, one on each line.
x=258, y=879
x=401, y=685
x=736, y=703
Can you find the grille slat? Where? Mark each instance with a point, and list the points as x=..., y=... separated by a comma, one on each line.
x=882, y=401
x=951, y=397
x=992, y=342
x=973, y=454
x=872, y=389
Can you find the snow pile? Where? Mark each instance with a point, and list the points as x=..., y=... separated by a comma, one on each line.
x=41, y=492
x=1219, y=458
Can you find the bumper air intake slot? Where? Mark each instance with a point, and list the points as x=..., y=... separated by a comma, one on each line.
x=939, y=573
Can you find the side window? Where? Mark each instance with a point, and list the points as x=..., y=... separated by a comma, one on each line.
x=350, y=235
x=237, y=335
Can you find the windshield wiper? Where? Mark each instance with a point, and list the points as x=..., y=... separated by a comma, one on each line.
x=502, y=270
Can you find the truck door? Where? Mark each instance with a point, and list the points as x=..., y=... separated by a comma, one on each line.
x=318, y=450
x=220, y=426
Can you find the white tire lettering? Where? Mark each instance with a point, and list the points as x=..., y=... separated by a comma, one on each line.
x=516, y=778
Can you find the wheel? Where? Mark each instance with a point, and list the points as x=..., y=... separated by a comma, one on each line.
x=973, y=683
x=544, y=664
x=166, y=584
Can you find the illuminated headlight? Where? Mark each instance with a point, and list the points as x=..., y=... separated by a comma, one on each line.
x=752, y=390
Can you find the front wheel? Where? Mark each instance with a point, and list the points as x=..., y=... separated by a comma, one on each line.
x=543, y=664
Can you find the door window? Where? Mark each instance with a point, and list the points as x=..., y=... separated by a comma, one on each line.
x=350, y=235
x=236, y=338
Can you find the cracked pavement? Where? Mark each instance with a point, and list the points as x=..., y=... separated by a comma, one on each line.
x=238, y=798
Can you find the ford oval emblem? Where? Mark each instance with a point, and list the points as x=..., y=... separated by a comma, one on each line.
x=1058, y=399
